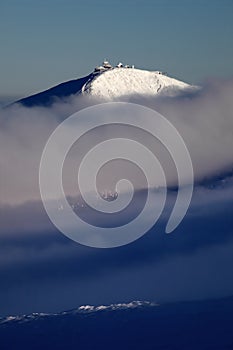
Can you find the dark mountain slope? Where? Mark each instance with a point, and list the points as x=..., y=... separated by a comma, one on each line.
x=46, y=98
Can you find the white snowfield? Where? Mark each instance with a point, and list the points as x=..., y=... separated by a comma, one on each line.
x=117, y=82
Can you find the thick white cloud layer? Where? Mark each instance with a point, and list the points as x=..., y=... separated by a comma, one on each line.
x=204, y=120
x=38, y=263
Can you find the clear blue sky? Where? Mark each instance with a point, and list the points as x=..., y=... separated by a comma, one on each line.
x=46, y=42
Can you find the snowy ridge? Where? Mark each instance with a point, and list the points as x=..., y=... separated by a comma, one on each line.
x=112, y=307
x=84, y=309
x=113, y=83
x=22, y=318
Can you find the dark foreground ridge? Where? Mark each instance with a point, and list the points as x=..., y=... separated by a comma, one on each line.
x=195, y=325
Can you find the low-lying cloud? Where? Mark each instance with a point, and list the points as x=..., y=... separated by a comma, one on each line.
x=37, y=262
x=204, y=119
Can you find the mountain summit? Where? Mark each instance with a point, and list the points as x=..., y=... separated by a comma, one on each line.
x=111, y=83
x=115, y=82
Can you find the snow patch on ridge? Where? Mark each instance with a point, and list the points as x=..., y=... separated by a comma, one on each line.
x=112, y=307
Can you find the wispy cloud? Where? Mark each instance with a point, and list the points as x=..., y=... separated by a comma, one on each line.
x=36, y=256
x=204, y=120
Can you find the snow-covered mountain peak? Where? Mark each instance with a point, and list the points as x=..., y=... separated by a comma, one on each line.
x=112, y=83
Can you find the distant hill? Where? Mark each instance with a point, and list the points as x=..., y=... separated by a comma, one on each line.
x=198, y=325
